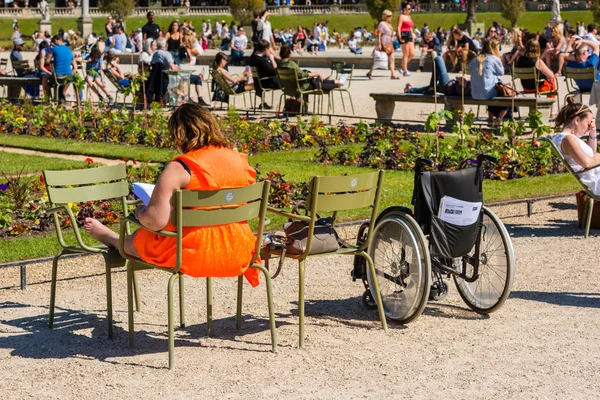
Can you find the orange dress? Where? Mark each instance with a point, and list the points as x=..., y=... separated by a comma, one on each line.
x=210, y=251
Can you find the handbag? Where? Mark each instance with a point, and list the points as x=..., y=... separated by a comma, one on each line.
x=325, y=238
x=506, y=90
x=292, y=106
x=388, y=48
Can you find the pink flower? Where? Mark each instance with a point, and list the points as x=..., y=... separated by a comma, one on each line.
x=535, y=143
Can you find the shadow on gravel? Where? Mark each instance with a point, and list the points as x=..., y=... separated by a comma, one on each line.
x=562, y=205
x=569, y=299
x=453, y=312
x=553, y=228
x=83, y=335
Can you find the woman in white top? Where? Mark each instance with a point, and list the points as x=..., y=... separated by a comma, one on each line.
x=146, y=56
x=578, y=121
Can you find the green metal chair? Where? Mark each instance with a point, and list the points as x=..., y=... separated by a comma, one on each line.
x=79, y=186
x=336, y=69
x=337, y=193
x=4, y=66
x=121, y=90
x=534, y=75
x=220, y=81
x=573, y=74
x=197, y=209
x=348, y=70
x=57, y=83
x=22, y=65
x=264, y=90
x=591, y=197
x=291, y=87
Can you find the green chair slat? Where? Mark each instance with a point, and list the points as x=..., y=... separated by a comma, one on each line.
x=81, y=194
x=219, y=216
x=85, y=176
x=208, y=198
x=580, y=73
x=350, y=183
x=348, y=201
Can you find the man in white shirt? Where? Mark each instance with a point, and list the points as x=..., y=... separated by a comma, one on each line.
x=266, y=31
x=592, y=33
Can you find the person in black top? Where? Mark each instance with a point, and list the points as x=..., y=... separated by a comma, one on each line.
x=464, y=48
x=150, y=30
x=264, y=62
x=256, y=33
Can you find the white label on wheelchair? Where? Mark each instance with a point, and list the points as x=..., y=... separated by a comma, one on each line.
x=229, y=196
x=459, y=212
x=353, y=183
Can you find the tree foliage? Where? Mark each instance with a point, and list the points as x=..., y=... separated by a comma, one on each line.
x=119, y=8
x=512, y=10
x=596, y=10
x=471, y=4
x=376, y=7
x=243, y=10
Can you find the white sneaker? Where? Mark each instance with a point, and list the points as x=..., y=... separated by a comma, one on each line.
x=343, y=79
x=406, y=73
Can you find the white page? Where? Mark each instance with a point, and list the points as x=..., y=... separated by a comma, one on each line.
x=459, y=212
x=143, y=191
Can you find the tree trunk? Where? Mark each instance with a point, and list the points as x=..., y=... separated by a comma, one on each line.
x=471, y=11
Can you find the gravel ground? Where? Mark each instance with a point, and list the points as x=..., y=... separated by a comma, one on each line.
x=542, y=344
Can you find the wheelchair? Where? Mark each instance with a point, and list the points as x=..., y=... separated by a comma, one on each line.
x=414, y=251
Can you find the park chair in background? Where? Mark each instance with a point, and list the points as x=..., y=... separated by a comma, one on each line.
x=4, y=66
x=336, y=69
x=573, y=74
x=57, y=83
x=334, y=194
x=121, y=90
x=534, y=75
x=591, y=197
x=264, y=90
x=222, y=84
x=80, y=186
x=196, y=209
x=19, y=65
x=291, y=87
x=348, y=70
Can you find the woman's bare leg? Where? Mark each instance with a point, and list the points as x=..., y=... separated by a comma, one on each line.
x=404, y=64
x=107, y=237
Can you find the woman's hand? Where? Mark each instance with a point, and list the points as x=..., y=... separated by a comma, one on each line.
x=592, y=129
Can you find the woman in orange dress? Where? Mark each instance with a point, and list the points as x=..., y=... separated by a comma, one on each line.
x=206, y=164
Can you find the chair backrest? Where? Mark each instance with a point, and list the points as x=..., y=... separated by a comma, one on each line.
x=19, y=65
x=219, y=79
x=342, y=193
x=113, y=80
x=336, y=67
x=81, y=185
x=576, y=174
x=3, y=62
x=220, y=207
x=529, y=73
x=348, y=70
x=289, y=81
x=573, y=74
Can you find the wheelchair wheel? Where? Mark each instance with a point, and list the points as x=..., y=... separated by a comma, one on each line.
x=402, y=264
x=496, y=268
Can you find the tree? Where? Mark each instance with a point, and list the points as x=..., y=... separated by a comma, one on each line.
x=471, y=18
x=512, y=10
x=596, y=10
x=243, y=10
x=376, y=7
x=119, y=8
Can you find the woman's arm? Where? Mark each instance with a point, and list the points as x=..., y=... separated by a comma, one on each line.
x=571, y=147
x=156, y=214
x=231, y=78
x=543, y=68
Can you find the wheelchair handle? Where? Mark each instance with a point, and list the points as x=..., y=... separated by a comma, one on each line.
x=485, y=157
x=423, y=161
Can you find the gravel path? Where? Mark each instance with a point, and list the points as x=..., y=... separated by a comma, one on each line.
x=542, y=344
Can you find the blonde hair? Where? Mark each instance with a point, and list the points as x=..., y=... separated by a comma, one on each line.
x=517, y=35
x=386, y=13
x=557, y=32
x=532, y=49
x=490, y=47
x=192, y=127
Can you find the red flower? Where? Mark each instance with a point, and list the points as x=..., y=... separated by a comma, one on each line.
x=535, y=143
x=42, y=178
x=89, y=160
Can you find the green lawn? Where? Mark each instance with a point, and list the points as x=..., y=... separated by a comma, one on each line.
x=534, y=21
x=11, y=163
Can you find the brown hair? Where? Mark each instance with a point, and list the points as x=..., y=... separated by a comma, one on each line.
x=285, y=51
x=192, y=127
x=570, y=111
x=532, y=49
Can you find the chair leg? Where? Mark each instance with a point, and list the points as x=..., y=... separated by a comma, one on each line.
x=588, y=216
x=376, y=290
x=171, y=321
x=181, y=302
x=301, y=270
x=270, y=302
x=343, y=104
x=109, y=312
x=240, y=292
x=53, y=290
x=209, y=301
x=351, y=103
x=130, y=285
x=136, y=291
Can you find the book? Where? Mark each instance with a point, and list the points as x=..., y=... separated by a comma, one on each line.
x=143, y=191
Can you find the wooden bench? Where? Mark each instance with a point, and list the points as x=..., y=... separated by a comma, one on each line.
x=15, y=84
x=386, y=102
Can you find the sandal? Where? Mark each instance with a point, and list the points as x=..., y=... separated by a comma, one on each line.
x=407, y=88
x=394, y=77
x=369, y=75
